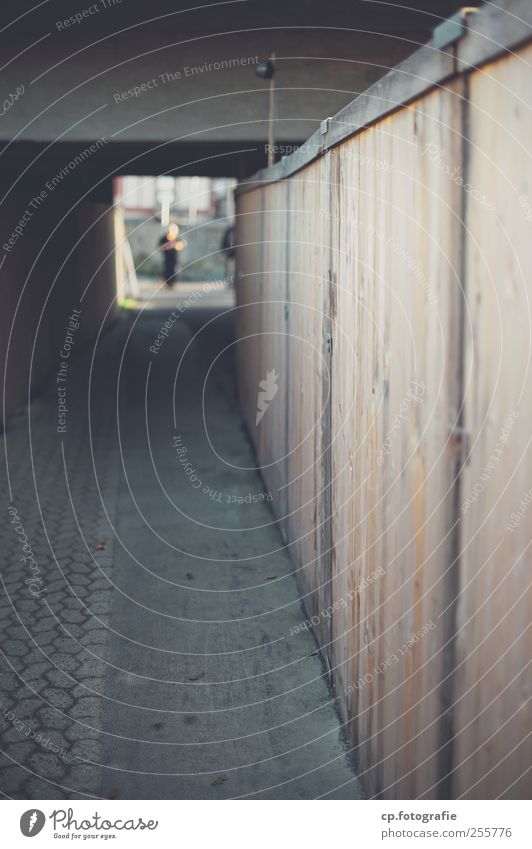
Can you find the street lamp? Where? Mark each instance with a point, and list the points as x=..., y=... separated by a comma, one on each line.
x=266, y=71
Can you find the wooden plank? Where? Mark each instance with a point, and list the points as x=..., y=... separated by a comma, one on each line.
x=493, y=713
x=308, y=272
x=273, y=444
x=248, y=309
x=395, y=250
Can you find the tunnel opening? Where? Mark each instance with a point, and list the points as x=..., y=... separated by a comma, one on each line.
x=174, y=231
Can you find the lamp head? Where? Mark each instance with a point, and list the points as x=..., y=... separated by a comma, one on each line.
x=266, y=69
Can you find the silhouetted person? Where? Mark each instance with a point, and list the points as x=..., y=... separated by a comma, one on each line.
x=228, y=250
x=170, y=246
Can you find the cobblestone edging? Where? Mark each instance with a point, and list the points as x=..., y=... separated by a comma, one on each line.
x=54, y=642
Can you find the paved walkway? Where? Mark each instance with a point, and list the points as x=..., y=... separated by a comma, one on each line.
x=145, y=613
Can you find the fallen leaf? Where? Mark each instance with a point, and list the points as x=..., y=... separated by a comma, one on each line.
x=271, y=578
x=100, y=546
x=189, y=576
x=197, y=677
x=114, y=793
x=220, y=780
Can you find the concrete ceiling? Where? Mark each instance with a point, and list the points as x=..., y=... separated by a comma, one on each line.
x=24, y=17
x=214, y=120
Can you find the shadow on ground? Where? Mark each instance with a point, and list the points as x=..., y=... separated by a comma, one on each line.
x=154, y=658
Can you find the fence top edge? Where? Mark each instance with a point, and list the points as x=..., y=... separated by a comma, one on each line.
x=493, y=31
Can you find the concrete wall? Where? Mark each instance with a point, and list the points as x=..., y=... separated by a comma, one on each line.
x=41, y=285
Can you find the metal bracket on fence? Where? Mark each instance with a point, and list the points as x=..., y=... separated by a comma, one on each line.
x=459, y=438
x=324, y=129
x=329, y=341
x=452, y=29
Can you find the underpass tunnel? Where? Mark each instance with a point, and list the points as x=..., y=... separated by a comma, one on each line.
x=97, y=93
x=236, y=430
x=154, y=645
x=65, y=248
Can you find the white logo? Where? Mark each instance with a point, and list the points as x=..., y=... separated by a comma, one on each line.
x=269, y=389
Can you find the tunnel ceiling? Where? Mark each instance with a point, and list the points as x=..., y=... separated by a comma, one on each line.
x=158, y=15
x=75, y=74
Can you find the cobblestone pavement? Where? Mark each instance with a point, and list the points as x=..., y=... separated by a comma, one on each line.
x=144, y=621
x=53, y=630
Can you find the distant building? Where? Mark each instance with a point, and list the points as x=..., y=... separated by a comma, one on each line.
x=202, y=206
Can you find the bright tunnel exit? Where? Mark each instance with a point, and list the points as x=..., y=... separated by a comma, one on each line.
x=174, y=236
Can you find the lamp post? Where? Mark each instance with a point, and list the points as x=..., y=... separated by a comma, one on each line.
x=266, y=71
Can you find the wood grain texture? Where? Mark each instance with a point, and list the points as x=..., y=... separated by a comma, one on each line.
x=493, y=707
x=308, y=270
x=395, y=244
x=419, y=606
x=248, y=314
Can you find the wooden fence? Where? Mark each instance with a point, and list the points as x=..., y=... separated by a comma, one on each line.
x=384, y=299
